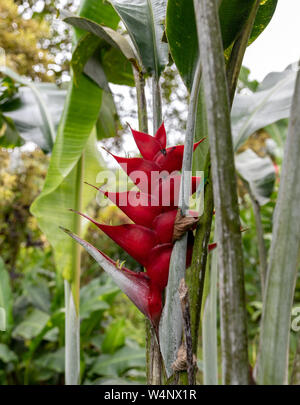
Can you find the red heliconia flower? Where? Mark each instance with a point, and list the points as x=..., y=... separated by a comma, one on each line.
x=153, y=210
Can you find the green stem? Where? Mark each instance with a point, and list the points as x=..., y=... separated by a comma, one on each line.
x=209, y=324
x=153, y=356
x=198, y=266
x=232, y=294
x=156, y=103
x=141, y=100
x=171, y=320
x=72, y=294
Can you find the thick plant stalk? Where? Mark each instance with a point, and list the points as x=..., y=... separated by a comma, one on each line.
x=156, y=103
x=232, y=294
x=283, y=260
x=198, y=267
x=209, y=326
x=72, y=294
x=72, y=339
x=141, y=100
x=170, y=330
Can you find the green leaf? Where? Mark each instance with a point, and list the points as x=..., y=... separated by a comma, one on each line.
x=270, y=103
x=9, y=135
x=108, y=35
x=114, y=337
x=51, y=208
x=144, y=20
x=122, y=360
x=55, y=321
x=182, y=38
x=85, y=48
x=52, y=361
x=7, y=355
x=182, y=34
x=38, y=294
x=263, y=17
x=99, y=11
x=31, y=326
x=48, y=130
x=100, y=57
x=259, y=173
x=6, y=299
x=108, y=121
x=117, y=68
x=91, y=299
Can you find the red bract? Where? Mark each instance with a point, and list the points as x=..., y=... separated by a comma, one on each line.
x=153, y=209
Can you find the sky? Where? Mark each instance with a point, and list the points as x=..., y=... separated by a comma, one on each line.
x=279, y=44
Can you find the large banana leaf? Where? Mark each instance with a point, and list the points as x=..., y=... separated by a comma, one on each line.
x=102, y=53
x=74, y=137
x=182, y=34
x=144, y=20
x=259, y=172
x=270, y=103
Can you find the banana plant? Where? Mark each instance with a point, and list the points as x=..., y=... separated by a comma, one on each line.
x=75, y=158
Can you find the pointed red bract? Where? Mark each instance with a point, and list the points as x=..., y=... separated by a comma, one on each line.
x=163, y=225
x=140, y=207
x=147, y=144
x=171, y=159
x=139, y=170
x=158, y=265
x=136, y=240
x=161, y=136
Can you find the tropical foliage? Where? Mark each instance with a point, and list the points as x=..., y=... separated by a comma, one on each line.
x=175, y=63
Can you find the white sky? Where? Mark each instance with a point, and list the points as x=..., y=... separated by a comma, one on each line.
x=279, y=44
